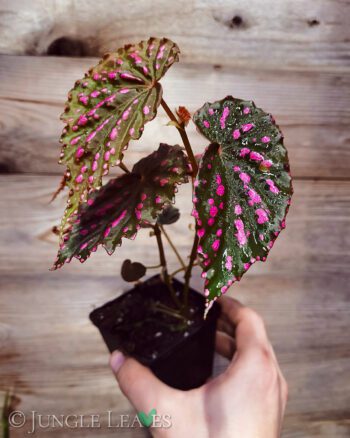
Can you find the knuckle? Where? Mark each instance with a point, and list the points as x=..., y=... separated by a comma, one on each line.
x=254, y=318
x=268, y=372
x=265, y=357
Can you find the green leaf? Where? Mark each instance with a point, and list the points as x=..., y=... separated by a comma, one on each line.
x=132, y=271
x=119, y=208
x=242, y=191
x=169, y=215
x=108, y=108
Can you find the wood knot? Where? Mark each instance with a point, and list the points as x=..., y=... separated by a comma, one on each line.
x=313, y=22
x=65, y=46
x=237, y=21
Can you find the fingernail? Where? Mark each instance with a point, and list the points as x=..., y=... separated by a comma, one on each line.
x=117, y=360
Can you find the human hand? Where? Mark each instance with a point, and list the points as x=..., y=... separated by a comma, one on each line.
x=247, y=400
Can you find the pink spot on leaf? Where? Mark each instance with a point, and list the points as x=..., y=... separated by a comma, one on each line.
x=79, y=153
x=238, y=209
x=213, y=211
x=254, y=197
x=236, y=134
x=255, y=156
x=119, y=219
x=266, y=163
x=75, y=140
x=247, y=127
x=113, y=134
x=240, y=235
x=82, y=120
x=272, y=186
x=220, y=191
x=244, y=177
x=244, y=152
x=216, y=244
x=200, y=232
x=228, y=263
x=125, y=115
x=223, y=117
x=262, y=216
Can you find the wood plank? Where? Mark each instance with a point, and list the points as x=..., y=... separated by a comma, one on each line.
x=296, y=34
x=311, y=108
x=57, y=362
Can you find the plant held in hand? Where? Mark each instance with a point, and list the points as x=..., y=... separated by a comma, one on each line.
x=241, y=185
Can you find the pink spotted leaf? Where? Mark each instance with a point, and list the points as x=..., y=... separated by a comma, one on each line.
x=242, y=190
x=121, y=206
x=108, y=108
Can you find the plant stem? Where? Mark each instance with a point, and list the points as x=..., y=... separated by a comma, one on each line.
x=188, y=272
x=167, y=279
x=158, y=235
x=169, y=311
x=123, y=167
x=153, y=267
x=182, y=263
x=180, y=270
x=184, y=137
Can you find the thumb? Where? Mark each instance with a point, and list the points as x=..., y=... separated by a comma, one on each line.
x=137, y=382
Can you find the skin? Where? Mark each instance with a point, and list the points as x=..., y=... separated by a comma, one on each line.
x=247, y=400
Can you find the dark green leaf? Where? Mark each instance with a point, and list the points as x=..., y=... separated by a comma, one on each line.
x=132, y=271
x=108, y=108
x=169, y=215
x=118, y=208
x=242, y=190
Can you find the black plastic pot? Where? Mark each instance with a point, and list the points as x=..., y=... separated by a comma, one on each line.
x=179, y=353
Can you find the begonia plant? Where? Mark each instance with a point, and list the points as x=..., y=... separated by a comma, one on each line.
x=241, y=182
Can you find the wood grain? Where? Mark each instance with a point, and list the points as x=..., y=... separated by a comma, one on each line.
x=311, y=107
x=295, y=35
x=293, y=59
x=57, y=363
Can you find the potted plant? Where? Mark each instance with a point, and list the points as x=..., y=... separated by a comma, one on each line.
x=241, y=194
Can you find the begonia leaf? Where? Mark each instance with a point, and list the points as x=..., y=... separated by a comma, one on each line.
x=132, y=271
x=119, y=208
x=242, y=190
x=108, y=108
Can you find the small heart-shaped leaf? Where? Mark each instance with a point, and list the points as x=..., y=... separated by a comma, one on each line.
x=169, y=215
x=132, y=271
x=242, y=191
x=119, y=208
x=108, y=108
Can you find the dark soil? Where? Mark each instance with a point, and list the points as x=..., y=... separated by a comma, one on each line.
x=132, y=323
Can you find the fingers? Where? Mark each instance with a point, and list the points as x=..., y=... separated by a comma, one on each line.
x=225, y=326
x=225, y=345
x=250, y=330
x=137, y=382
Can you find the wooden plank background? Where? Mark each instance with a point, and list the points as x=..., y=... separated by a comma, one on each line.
x=294, y=60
